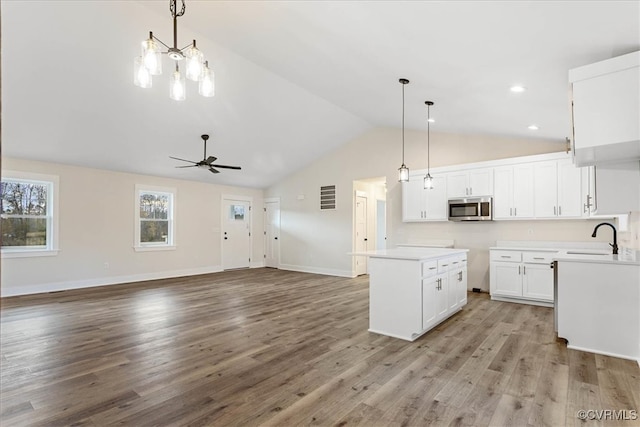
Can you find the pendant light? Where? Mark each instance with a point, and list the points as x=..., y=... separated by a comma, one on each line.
x=428, y=179
x=403, y=171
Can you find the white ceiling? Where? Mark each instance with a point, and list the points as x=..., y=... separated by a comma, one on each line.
x=294, y=79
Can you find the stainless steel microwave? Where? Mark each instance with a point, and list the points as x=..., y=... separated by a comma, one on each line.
x=471, y=209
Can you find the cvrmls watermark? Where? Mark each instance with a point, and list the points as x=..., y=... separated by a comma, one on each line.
x=608, y=414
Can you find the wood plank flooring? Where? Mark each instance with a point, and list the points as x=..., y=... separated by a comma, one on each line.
x=270, y=347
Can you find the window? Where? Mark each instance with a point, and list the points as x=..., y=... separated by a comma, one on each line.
x=154, y=218
x=28, y=218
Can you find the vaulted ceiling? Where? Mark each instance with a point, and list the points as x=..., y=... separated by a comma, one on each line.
x=294, y=79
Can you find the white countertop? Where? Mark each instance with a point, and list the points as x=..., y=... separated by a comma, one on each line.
x=625, y=257
x=575, y=251
x=410, y=253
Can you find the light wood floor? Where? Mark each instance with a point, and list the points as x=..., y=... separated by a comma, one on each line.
x=282, y=348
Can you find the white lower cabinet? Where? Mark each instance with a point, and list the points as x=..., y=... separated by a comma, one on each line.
x=521, y=276
x=408, y=297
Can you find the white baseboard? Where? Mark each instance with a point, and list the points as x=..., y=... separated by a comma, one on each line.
x=316, y=270
x=103, y=281
x=605, y=353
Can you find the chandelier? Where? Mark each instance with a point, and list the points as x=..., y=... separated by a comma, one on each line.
x=149, y=63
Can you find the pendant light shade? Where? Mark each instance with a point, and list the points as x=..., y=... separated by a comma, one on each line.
x=403, y=171
x=428, y=182
x=141, y=75
x=428, y=179
x=177, y=88
x=206, y=86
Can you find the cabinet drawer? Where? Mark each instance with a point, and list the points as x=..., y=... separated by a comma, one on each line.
x=538, y=257
x=444, y=265
x=507, y=256
x=429, y=268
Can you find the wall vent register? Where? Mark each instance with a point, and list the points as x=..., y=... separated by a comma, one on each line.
x=328, y=197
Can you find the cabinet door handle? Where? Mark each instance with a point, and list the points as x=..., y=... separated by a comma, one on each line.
x=554, y=210
x=515, y=211
x=432, y=268
x=459, y=276
x=559, y=210
x=505, y=256
x=524, y=269
x=535, y=257
x=470, y=191
x=518, y=270
x=444, y=265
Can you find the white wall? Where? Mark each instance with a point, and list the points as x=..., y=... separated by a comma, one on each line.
x=96, y=220
x=319, y=241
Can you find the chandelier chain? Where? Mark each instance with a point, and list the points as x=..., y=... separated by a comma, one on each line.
x=173, y=8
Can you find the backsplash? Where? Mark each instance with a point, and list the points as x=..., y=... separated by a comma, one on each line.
x=631, y=238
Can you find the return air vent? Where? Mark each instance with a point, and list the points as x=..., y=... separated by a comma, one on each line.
x=328, y=197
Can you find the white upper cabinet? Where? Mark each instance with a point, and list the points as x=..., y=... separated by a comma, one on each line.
x=557, y=190
x=513, y=192
x=617, y=188
x=605, y=100
x=470, y=183
x=413, y=200
x=546, y=186
x=570, y=192
x=419, y=204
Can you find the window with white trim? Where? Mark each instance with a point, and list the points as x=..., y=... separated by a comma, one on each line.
x=154, y=218
x=28, y=216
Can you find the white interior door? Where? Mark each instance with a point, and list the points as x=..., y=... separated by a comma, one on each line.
x=381, y=224
x=272, y=234
x=236, y=234
x=361, y=234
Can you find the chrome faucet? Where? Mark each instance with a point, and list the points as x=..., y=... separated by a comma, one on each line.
x=615, y=237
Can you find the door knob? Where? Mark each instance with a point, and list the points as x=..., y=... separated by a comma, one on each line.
x=276, y=238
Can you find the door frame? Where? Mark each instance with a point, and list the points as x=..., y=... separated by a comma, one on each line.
x=365, y=195
x=266, y=201
x=229, y=197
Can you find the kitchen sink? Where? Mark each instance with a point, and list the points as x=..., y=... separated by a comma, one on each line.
x=585, y=253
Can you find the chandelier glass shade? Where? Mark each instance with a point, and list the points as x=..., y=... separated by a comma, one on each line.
x=195, y=68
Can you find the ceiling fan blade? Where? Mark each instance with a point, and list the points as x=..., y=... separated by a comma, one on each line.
x=184, y=160
x=227, y=167
x=210, y=160
x=213, y=170
x=188, y=166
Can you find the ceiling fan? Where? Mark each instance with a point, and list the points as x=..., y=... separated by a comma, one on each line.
x=206, y=162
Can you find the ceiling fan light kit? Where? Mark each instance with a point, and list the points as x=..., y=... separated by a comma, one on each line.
x=403, y=170
x=206, y=162
x=149, y=63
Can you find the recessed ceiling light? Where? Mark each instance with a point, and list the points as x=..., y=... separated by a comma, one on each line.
x=518, y=89
x=533, y=127
x=431, y=120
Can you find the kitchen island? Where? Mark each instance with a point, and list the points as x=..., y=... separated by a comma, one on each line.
x=598, y=303
x=413, y=289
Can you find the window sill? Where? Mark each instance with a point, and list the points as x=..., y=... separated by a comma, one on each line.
x=29, y=253
x=154, y=248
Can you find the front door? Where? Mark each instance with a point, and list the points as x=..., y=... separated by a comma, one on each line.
x=272, y=233
x=236, y=234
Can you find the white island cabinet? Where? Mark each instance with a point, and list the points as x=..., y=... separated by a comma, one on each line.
x=412, y=289
x=598, y=303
